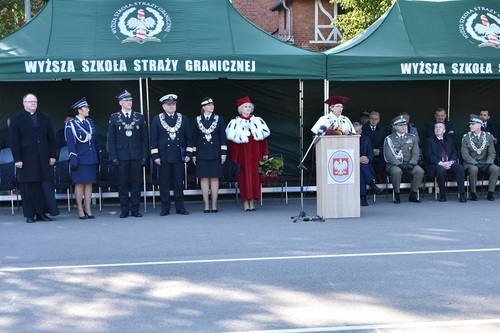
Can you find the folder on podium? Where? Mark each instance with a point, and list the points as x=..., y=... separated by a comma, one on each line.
x=337, y=176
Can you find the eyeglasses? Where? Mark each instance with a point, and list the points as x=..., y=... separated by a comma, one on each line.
x=30, y=101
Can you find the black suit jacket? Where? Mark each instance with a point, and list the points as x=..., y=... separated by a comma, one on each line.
x=376, y=138
x=491, y=128
x=32, y=145
x=433, y=150
x=127, y=147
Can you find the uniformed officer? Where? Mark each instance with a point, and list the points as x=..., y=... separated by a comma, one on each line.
x=334, y=122
x=171, y=147
x=401, y=152
x=209, y=151
x=84, y=152
x=478, y=153
x=128, y=150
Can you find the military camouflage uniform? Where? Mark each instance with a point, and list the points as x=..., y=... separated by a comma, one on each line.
x=400, y=150
x=479, y=150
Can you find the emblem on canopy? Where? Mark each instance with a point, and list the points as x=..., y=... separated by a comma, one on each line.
x=140, y=25
x=482, y=25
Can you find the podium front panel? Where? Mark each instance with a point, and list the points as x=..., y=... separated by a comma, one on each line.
x=337, y=176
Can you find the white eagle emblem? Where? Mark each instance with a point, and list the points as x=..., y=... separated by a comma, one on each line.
x=143, y=28
x=486, y=32
x=340, y=167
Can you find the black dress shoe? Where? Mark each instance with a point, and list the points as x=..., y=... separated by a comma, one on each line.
x=123, y=215
x=164, y=213
x=490, y=196
x=91, y=217
x=462, y=198
x=397, y=199
x=136, y=214
x=473, y=197
x=43, y=217
x=206, y=211
x=182, y=212
x=442, y=198
x=30, y=220
x=215, y=211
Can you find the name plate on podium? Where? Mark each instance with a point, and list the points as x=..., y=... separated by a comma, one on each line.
x=337, y=176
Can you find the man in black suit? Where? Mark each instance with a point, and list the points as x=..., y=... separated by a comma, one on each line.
x=441, y=157
x=33, y=147
x=489, y=127
x=440, y=116
x=376, y=133
x=128, y=150
x=171, y=147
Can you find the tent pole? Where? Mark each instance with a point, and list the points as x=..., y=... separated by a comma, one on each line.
x=449, y=99
x=301, y=117
x=326, y=94
x=143, y=168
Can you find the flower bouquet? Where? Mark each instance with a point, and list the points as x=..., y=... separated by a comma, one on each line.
x=335, y=131
x=271, y=169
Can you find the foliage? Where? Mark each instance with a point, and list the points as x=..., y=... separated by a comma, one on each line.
x=271, y=169
x=12, y=14
x=359, y=15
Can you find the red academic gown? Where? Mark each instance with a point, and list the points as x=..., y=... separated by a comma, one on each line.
x=248, y=155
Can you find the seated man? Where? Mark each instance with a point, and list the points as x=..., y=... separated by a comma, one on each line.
x=478, y=153
x=367, y=175
x=401, y=152
x=376, y=133
x=442, y=158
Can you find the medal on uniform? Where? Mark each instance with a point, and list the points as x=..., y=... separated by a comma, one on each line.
x=207, y=131
x=128, y=133
x=172, y=135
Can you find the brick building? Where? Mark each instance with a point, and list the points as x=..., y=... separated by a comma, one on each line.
x=304, y=23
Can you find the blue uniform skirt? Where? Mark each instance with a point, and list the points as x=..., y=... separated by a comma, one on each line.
x=84, y=174
x=208, y=168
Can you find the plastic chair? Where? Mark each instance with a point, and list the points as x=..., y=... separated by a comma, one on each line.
x=62, y=179
x=8, y=181
x=230, y=177
x=108, y=179
x=6, y=156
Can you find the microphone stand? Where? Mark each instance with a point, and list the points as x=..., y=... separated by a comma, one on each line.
x=303, y=216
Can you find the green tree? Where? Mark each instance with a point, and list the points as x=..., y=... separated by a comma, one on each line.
x=357, y=15
x=12, y=14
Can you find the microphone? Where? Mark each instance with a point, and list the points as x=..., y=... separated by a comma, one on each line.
x=321, y=130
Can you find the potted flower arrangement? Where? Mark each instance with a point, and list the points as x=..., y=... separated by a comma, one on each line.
x=271, y=169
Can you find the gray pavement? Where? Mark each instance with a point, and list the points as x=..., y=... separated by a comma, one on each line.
x=429, y=267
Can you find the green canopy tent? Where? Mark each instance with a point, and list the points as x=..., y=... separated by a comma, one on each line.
x=421, y=49
x=177, y=45
x=176, y=39
x=424, y=40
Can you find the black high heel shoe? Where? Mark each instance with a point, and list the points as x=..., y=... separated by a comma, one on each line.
x=84, y=217
x=90, y=217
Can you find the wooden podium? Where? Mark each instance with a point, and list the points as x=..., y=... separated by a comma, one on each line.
x=337, y=176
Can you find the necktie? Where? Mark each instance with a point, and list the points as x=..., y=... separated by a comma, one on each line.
x=128, y=115
x=443, y=151
x=206, y=118
x=373, y=129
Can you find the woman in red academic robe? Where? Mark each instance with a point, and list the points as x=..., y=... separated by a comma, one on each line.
x=248, y=145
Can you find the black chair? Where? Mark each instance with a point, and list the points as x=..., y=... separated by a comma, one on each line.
x=62, y=180
x=281, y=179
x=107, y=180
x=8, y=182
x=229, y=178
